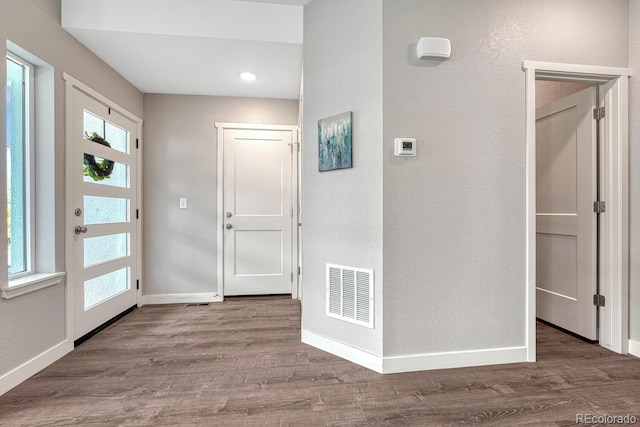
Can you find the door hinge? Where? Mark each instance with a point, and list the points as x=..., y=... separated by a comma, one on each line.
x=599, y=207
x=599, y=113
x=138, y=284
x=292, y=276
x=137, y=213
x=137, y=143
x=598, y=300
x=299, y=271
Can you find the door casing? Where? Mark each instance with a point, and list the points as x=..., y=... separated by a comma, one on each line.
x=614, y=182
x=220, y=200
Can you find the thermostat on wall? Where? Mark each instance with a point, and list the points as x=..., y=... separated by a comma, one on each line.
x=404, y=146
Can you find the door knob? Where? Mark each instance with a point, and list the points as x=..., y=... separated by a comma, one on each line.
x=80, y=230
x=228, y=226
x=229, y=214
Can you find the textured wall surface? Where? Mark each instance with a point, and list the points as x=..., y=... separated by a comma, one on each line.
x=33, y=323
x=634, y=172
x=549, y=91
x=342, y=222
x=180, y=160
x=454, y=216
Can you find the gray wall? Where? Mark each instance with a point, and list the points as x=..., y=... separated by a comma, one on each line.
x=180, y=159
x=634, y=172
x=454, y=216
x=53, y=8
x=550, y=91
x=34, y=323
x=342, y=221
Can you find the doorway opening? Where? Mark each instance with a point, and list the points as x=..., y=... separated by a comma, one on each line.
x=608, y=86
x=567, y=189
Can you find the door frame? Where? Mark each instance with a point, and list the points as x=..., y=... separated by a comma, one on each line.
x=614, y=181
x=72, y=84
x=295, y=203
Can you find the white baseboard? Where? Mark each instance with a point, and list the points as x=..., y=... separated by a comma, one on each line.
x=181, y=298
x=420, y=362
x=352, y=354
x=28, y=369
x=454, y=359
x=634, y=348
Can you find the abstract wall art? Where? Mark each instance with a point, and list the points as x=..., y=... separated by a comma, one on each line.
x=335, y=142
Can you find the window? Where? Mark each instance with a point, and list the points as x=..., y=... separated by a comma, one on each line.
x=31, y=220
x=19, y=143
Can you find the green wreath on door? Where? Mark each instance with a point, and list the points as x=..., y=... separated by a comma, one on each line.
x=97, y=170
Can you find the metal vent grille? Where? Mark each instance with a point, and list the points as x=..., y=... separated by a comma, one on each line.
x=350, y=294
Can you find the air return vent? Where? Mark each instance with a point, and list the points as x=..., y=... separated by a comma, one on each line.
x=350, y=294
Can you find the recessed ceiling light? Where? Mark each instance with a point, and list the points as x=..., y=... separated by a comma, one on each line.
x=248, y=76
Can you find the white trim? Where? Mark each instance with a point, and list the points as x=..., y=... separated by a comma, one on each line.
x=634, y=348
x=221, y=126
x=345, y=351
x=180, y=298
x=573, y=71
x=100, y=98
x=254, y=126
x=614, y=245
x=530, y=225
x=31, y=283
x=28, y=369
x=220, y=210
x=416, y=362
x=454, y=359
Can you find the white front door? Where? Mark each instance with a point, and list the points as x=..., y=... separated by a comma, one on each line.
x=566, y=235
x=101, y=222
x=258, y=210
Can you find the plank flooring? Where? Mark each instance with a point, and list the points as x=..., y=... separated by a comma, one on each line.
x=241, y=363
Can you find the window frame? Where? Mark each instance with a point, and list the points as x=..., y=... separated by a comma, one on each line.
x=28, y=126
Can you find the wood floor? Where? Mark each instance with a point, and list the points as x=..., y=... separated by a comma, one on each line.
x=241, y=363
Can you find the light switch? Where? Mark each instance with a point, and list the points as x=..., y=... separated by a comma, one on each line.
x=183, y=203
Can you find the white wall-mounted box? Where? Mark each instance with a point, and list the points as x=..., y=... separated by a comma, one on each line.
x=433, y=48
x=404, y=147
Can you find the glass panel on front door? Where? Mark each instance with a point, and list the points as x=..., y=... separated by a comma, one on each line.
x=105, y=210
x=104, y=287
x=98, y=250
x=118, y=138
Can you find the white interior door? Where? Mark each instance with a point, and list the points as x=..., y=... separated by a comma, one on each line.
x=258, y=211
x=102, y=218
x=566, y=236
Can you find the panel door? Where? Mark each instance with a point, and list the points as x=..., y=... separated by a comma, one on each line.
x=258, y=211
x=566, y=235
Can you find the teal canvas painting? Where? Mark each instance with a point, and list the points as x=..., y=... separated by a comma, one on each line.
x=334, y=142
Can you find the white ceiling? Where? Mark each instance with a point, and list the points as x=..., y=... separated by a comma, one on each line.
x=195, y=47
